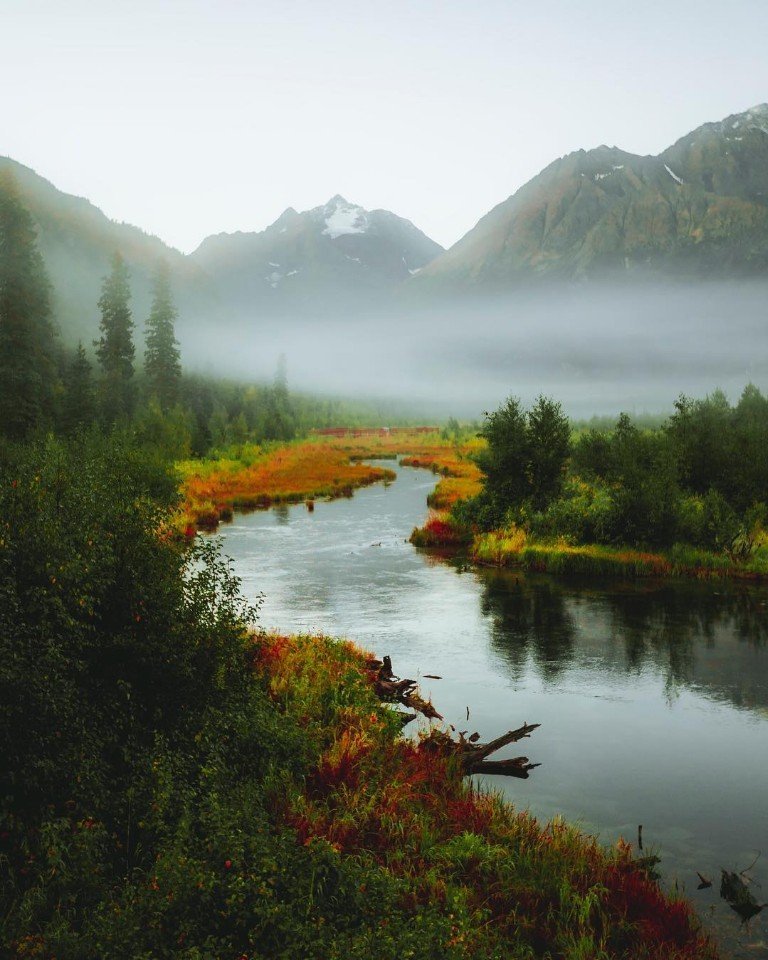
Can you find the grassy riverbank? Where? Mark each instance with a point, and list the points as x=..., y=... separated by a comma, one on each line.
x=252, y=476
x=467, y=874
x=512, y=547
x=451, y=459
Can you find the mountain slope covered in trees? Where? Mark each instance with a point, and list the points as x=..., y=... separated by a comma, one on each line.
x=78, y=241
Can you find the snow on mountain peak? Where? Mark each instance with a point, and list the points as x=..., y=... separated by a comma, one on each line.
x=343, y=218
x=756, y=118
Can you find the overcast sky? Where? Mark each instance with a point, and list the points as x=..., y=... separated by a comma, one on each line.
x=189, y=117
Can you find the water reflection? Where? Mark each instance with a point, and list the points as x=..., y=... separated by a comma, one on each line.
x=708, y=639
x=529, y=620
x=653, y=697
x=282, y=514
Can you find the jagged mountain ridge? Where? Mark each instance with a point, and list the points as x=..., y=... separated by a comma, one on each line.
x=699, y=208
x=335, y=250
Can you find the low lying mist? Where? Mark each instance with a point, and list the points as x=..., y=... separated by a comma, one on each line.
x=598, y=349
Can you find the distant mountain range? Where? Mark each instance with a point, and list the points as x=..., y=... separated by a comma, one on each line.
x=699, y=209
x=337, y=251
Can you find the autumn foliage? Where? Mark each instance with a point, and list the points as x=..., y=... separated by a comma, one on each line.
x=514, y=887
x=287, y=473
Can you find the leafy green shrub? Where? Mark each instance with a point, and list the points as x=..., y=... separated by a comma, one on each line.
x=582, y=515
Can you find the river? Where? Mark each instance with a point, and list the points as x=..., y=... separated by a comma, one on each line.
x=652, y=696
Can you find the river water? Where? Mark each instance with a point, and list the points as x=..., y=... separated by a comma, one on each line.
x=653, y=697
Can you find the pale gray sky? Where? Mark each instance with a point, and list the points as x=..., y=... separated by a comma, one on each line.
x=189, y=117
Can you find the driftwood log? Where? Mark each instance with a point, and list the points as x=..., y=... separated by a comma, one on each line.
x=472, y=755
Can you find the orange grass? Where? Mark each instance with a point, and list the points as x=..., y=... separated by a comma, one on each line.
x=452, y=460
x=287, y=474
x=321, y=467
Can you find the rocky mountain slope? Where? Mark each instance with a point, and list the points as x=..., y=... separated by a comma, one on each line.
x=336, y=251
x=698, y=209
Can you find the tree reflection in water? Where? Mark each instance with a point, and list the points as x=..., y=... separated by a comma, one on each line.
x=704, y=635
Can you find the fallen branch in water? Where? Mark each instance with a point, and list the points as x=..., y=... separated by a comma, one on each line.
x=472, y=755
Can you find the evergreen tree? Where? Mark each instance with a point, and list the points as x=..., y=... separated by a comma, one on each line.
x=549, y=444
x=281, y=420
x=504, y=461
x=524, y=461
x=161, y=359
x=79, y=406
x=115, y=348
x=26, y=331
x=218, y=427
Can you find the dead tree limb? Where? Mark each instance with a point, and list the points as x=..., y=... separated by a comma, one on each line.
x=482, y=750
x=515, y=767
x=473, y=756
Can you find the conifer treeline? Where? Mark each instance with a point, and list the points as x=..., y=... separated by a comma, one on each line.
x=42, y=386
x=29, y=378
x=26, y=332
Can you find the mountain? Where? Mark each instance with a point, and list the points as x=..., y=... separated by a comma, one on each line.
x=698, y=209
x=77, y=242
x=332, y=253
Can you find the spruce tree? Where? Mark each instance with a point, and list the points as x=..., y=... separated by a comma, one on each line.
x=79, y=405
x=115, y=348
x=281, y=421
x=26, y=331
x=161, y=359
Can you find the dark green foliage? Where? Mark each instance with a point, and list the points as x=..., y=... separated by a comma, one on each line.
x=700, y=479
x=504, y=462
x=126, y=706
x=115, y=348
x=78, y=407
x=93, y=606
x=26, y=332
x=168, y=432
x=549, y=445
x=642, y=476
x=280, y=423
x=525, y=460
x=162, y=359
x=700, y=431
x=143, y=761
x=723, y=448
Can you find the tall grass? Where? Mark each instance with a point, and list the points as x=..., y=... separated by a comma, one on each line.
x=287, y=473
x=512, y=887
x=512, y=548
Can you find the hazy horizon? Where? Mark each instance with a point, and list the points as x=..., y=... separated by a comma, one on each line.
x=190, y=118
x=600, y=349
